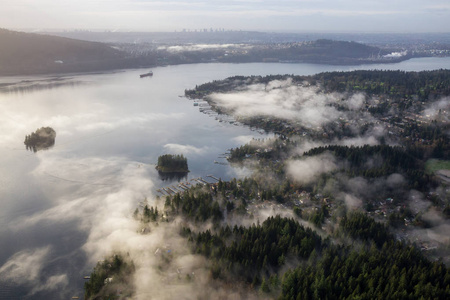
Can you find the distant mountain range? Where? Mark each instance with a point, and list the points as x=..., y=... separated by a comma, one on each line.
x=252, y=37
x=29, y=53
x=321, y=51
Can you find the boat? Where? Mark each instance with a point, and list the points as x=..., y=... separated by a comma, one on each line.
x=146, y=74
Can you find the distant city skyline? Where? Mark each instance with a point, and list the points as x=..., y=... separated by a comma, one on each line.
x=260, y=15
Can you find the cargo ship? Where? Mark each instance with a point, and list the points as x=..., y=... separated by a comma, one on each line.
x=146, y=74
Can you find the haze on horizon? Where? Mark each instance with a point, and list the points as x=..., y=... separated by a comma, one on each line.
x=401, y=16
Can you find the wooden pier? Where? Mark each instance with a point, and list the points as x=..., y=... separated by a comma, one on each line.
x=213, y=177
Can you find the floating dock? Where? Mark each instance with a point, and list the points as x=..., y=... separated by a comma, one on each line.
x=183, y=187
x=203, y=181
x=213, y=177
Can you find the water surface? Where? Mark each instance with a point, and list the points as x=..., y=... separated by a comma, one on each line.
x=54, y=204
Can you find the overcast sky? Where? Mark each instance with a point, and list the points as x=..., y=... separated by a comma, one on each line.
x=263, y=15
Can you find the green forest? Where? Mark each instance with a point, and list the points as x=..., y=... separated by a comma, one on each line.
x=172, y=163
x=393, y=160
x=114, y=268
x=359, y=230
x=425, y=85
x=367, y=263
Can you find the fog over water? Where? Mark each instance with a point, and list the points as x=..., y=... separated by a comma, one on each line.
x=64, y=208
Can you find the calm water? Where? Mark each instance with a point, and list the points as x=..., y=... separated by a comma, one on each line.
x=58, y=206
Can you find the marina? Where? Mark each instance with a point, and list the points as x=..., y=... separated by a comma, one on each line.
x=184, y=186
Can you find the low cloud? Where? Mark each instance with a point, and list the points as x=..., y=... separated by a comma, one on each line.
x=283, y=99
x=104, y=211
x=438, y=110
x=355, y=102
x=417, y=202
x=359, y=141
x=244, y=170
x=243, y=139
x=437, y=236
x=395, y=181
x=201, y=47
x=396, y=54
x=308, y=169
x=352, y=202
x=371, y=138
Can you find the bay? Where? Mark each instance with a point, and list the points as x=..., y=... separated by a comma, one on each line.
x=60, y=208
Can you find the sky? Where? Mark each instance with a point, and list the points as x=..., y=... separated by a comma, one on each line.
x=262, y=15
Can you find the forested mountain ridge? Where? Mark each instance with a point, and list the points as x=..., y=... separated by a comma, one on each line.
x=396, y=84
x=322, y=51
x=28, y=53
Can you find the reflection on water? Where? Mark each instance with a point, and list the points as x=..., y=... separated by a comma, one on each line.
x=173, y=176
x=38, y=148
x=29, y=86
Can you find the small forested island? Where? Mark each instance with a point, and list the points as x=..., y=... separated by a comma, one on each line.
x=170, y=163
x=42, y=138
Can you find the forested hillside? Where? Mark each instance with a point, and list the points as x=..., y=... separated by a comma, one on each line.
x=351, y=207
x=397, y=84
x=28, y=53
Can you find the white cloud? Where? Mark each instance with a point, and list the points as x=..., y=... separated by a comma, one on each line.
x=301, y=104
x=306, y=170
x=200, y=47
x=243, y=139
x=306, y=105
x=170, y=15
x=352, y=202
x=355, y=102
x=438, y=110
x=417, y=202
x=395, y=181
